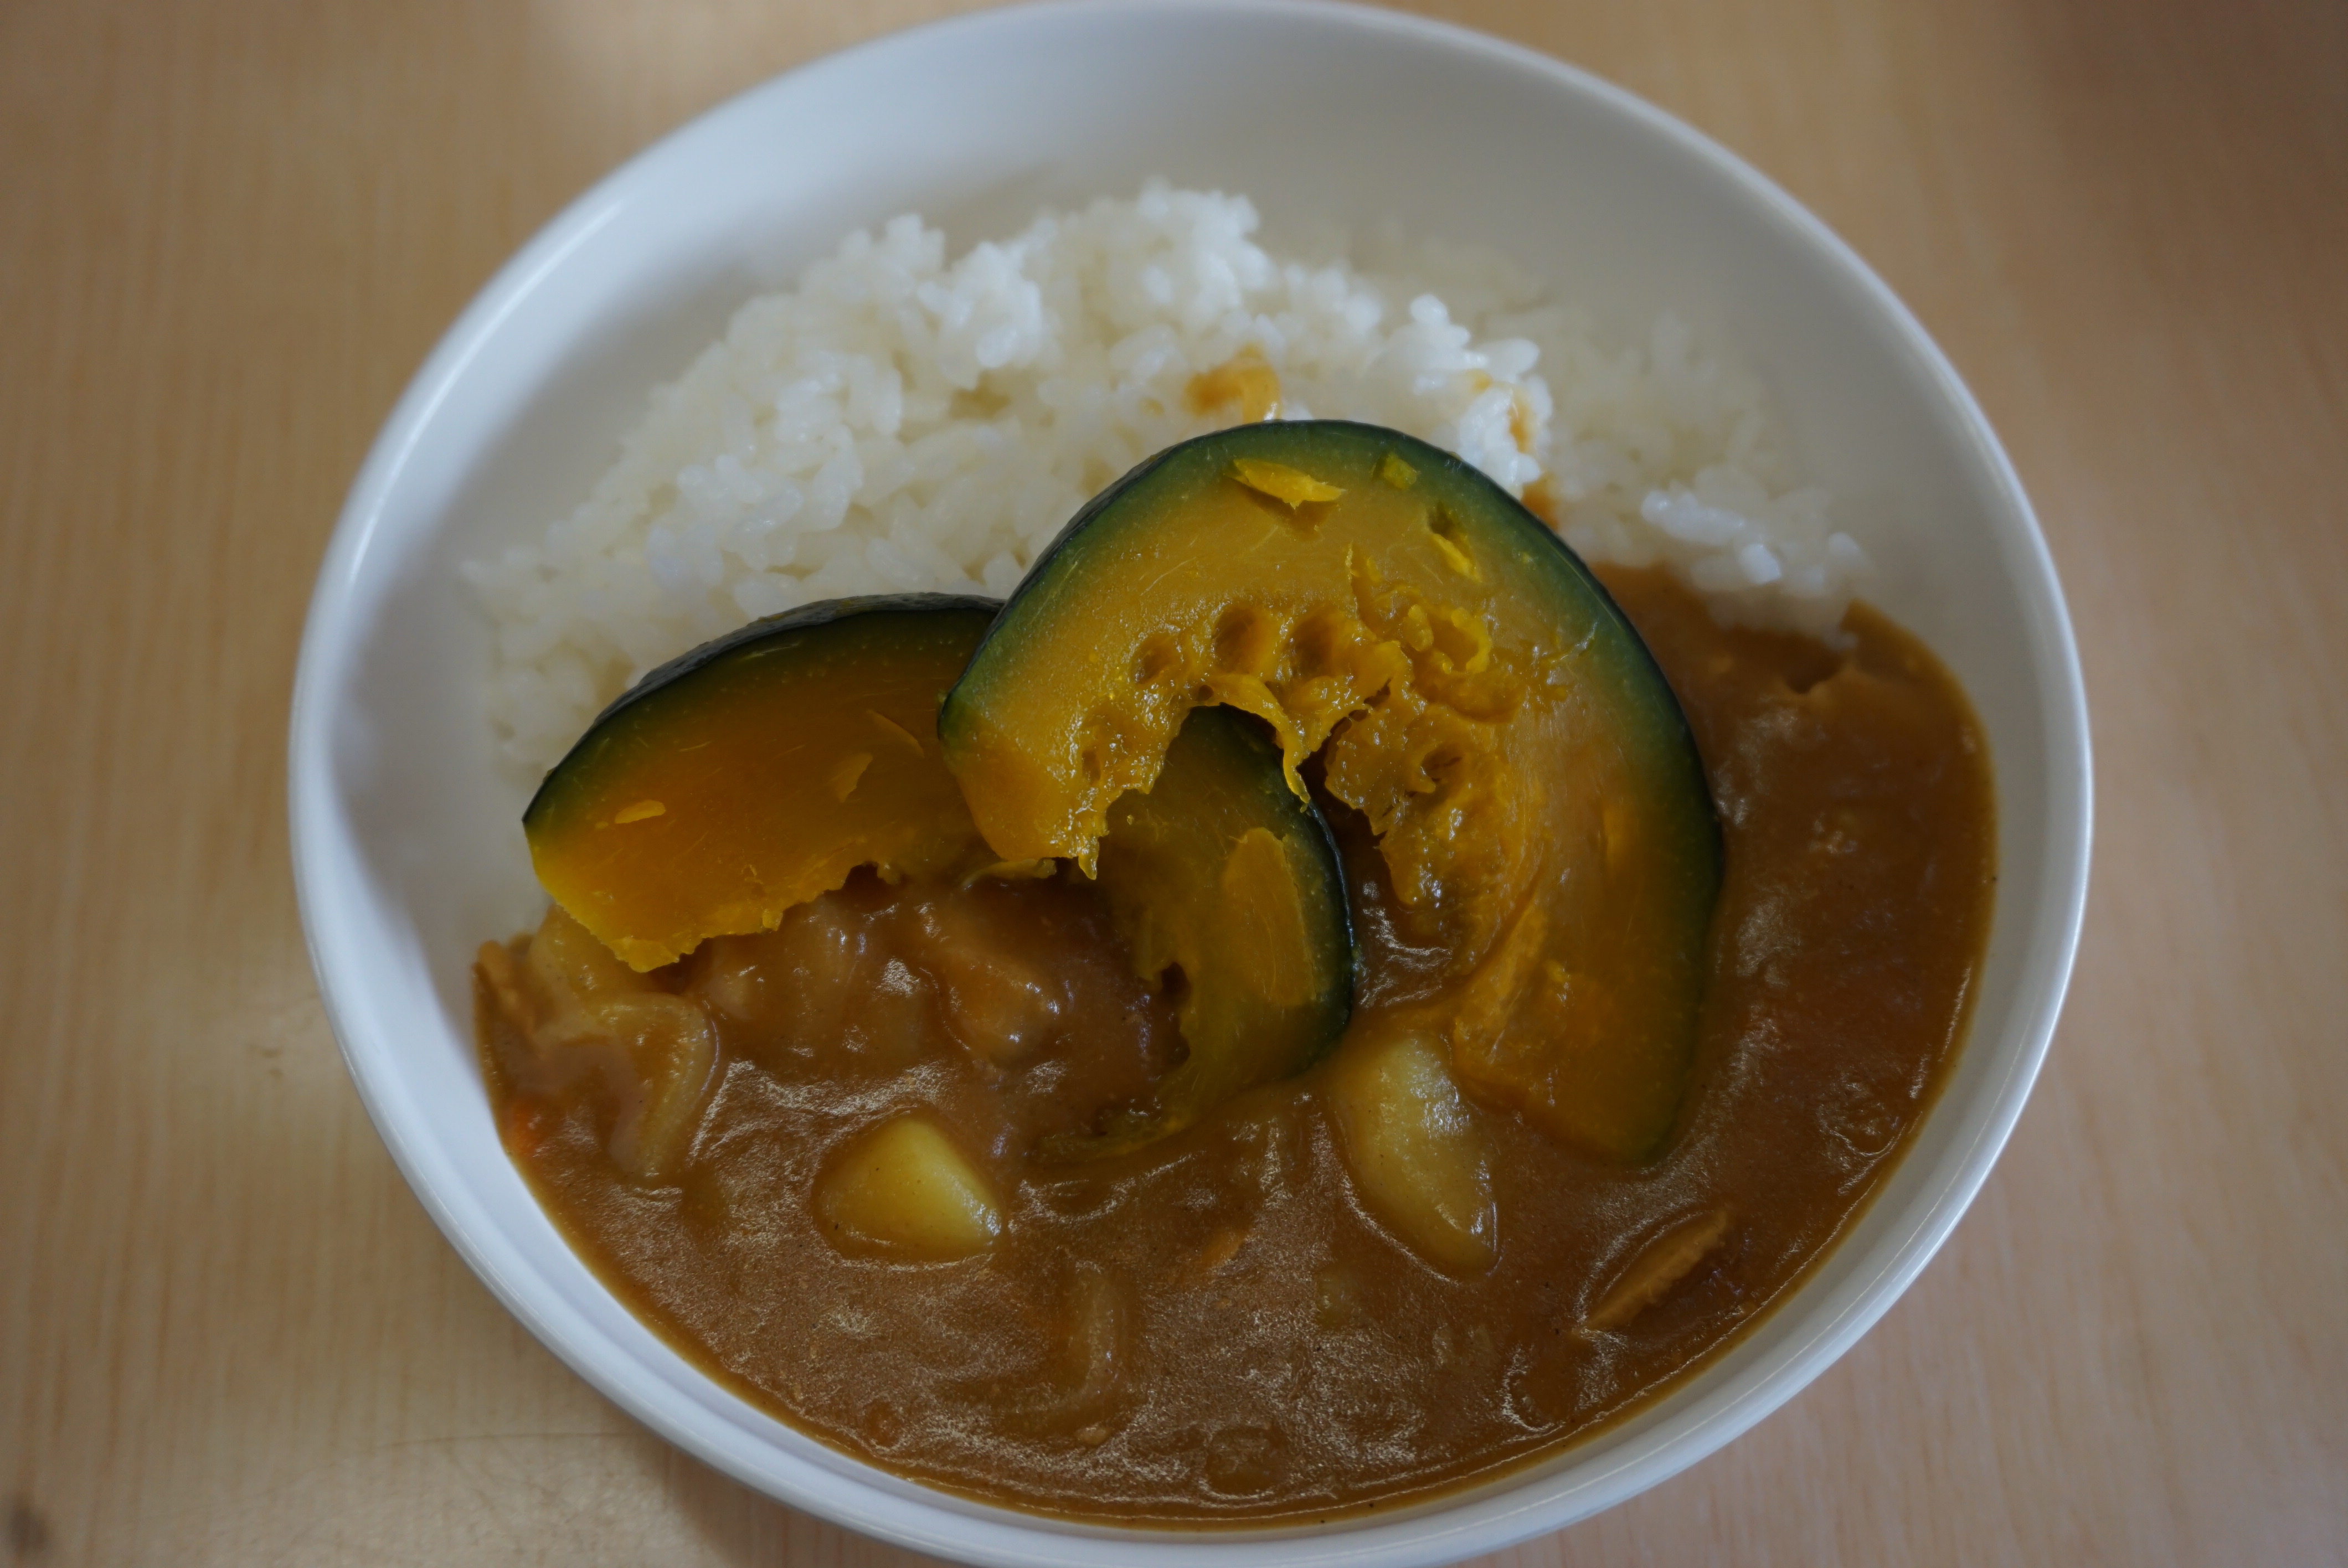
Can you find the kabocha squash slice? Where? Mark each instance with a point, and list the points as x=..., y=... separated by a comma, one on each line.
x=757, y=771
x=1467, y=685
x=1221, y=873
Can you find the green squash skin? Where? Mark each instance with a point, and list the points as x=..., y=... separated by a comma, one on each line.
x=1053, y=584
x=1523, y=564
x=1233, y=783
x=758, y=825
x=1161, y=880
x=554, y=793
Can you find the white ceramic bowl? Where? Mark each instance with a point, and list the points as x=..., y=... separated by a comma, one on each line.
x=406, y=843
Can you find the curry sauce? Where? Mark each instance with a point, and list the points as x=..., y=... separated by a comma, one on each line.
x=1218, y=1327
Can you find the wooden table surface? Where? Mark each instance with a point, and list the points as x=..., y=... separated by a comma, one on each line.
x=228, y=234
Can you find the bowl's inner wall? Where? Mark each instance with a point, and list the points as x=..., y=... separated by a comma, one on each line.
x=1319, y=122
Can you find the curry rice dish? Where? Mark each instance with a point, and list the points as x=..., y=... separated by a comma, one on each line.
x=1312, y=1003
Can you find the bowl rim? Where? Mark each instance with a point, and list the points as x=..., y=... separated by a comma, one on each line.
x=1482, y=1516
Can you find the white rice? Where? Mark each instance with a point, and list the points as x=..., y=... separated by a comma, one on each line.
x=900, y=421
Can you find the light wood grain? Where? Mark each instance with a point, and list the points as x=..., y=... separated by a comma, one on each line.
x=228, y=233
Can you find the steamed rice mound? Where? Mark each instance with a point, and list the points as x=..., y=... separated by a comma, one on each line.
x=903, y=421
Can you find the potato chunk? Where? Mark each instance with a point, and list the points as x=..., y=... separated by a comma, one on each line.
x=905, y=1191
x=1420, y=1161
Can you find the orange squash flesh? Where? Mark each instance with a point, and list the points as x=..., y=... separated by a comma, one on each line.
x=759, y=771
x=1466, y=684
